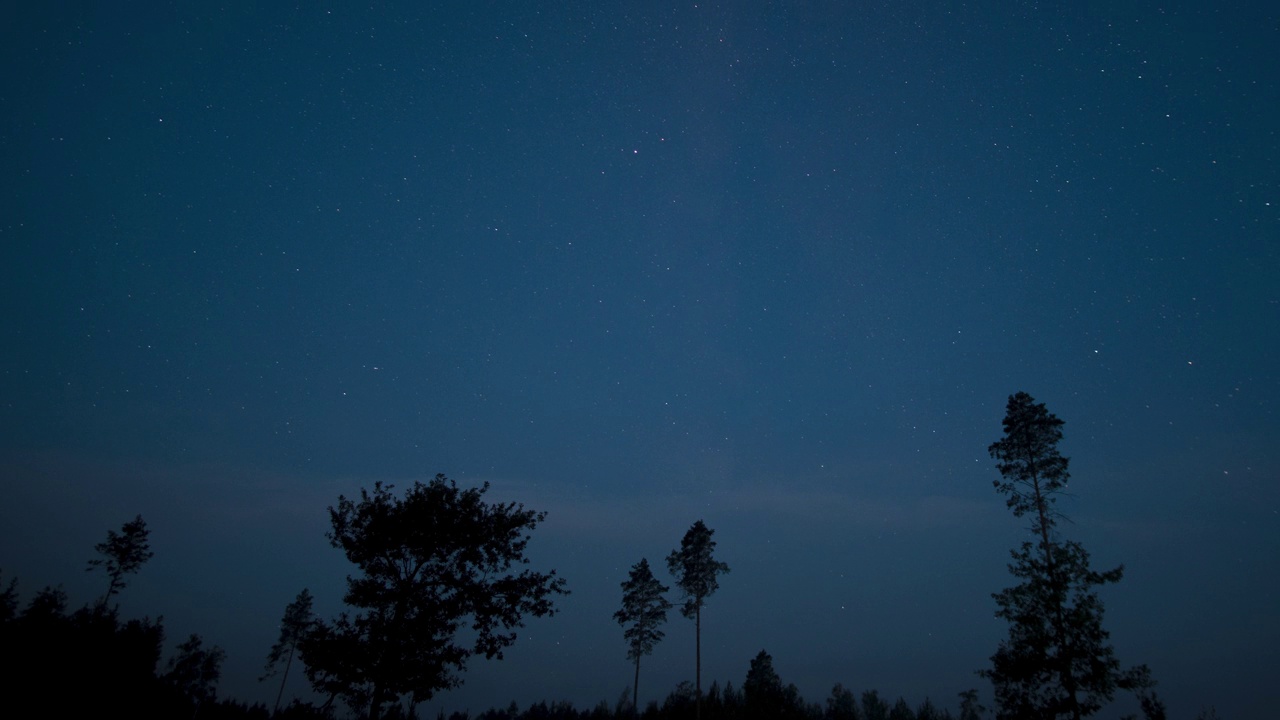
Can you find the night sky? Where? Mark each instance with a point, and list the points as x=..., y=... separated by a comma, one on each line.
x=777, y=266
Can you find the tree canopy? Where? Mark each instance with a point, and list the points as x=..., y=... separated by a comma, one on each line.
x=430, y=563
x=195, y=671
x=122, y=554
x=764, y=695
x=695, y=569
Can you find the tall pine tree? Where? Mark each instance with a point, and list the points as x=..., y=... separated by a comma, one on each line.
x=695, y=571
x=294, y=626
x=1057, y=662
x=644, y=607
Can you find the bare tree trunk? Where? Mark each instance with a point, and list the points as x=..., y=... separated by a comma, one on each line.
x=697, y=653
x=1066, y=670
x=287, y=664
x=635, y=690
x=111, y=590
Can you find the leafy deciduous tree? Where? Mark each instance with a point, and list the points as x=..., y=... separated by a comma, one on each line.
x=195, y=671
x=842, y=705
x=873, y=707
x=83, y=661
x=429, y=562
x=1056, y=662
x=970, y=708
x=901, y=711
x=644, y=607
x=293, y=627
x=695, y=571
x=122, y=554
x=927, y=711
x=1152, y=706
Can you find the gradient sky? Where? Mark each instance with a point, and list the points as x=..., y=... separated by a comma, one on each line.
x=776, y=266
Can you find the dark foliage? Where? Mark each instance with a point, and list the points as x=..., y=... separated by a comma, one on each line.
x=764, y=695
x=644, y=610
x=87, y=659
x=194, y=670
x=439, y=583
x=89, y=662
x=901, y=711
x=873, y=707
x=9, y=602
x=295, y=624
x=970, y=708
x=1056, y=662
x=696, y=570
x=431, y=563
x=112, y=667
x=122, y=554
x=842, y=705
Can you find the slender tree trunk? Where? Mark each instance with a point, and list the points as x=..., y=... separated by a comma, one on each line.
x=697, y=654
x=1065, y=658
x=287, y=664
x=635, y=690
x=111, y=590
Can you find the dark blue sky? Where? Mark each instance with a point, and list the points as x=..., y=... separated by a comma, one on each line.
x=774, y=265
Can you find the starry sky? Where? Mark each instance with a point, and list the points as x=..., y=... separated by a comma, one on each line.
x=777, y=266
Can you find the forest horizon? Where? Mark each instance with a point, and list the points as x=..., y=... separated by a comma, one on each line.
x=434, y=559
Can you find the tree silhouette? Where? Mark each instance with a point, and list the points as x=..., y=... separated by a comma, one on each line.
x=644, y=607
x=762, y=687
x=122, y=554
x=9, y=602
x=873, y=707
x=84, y=660
x=842, y=705
x=1056, y=662
x=430, y=563
x=1152, y=706
x=970, y=708
x=293, y=627
x=695, y=571
x=764, y=695
x=195, y=671
x=927, y=711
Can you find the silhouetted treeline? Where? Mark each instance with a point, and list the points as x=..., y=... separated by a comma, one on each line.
x=62, y=663
x=438, y=557
x=745, y=702
x=66, y=663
